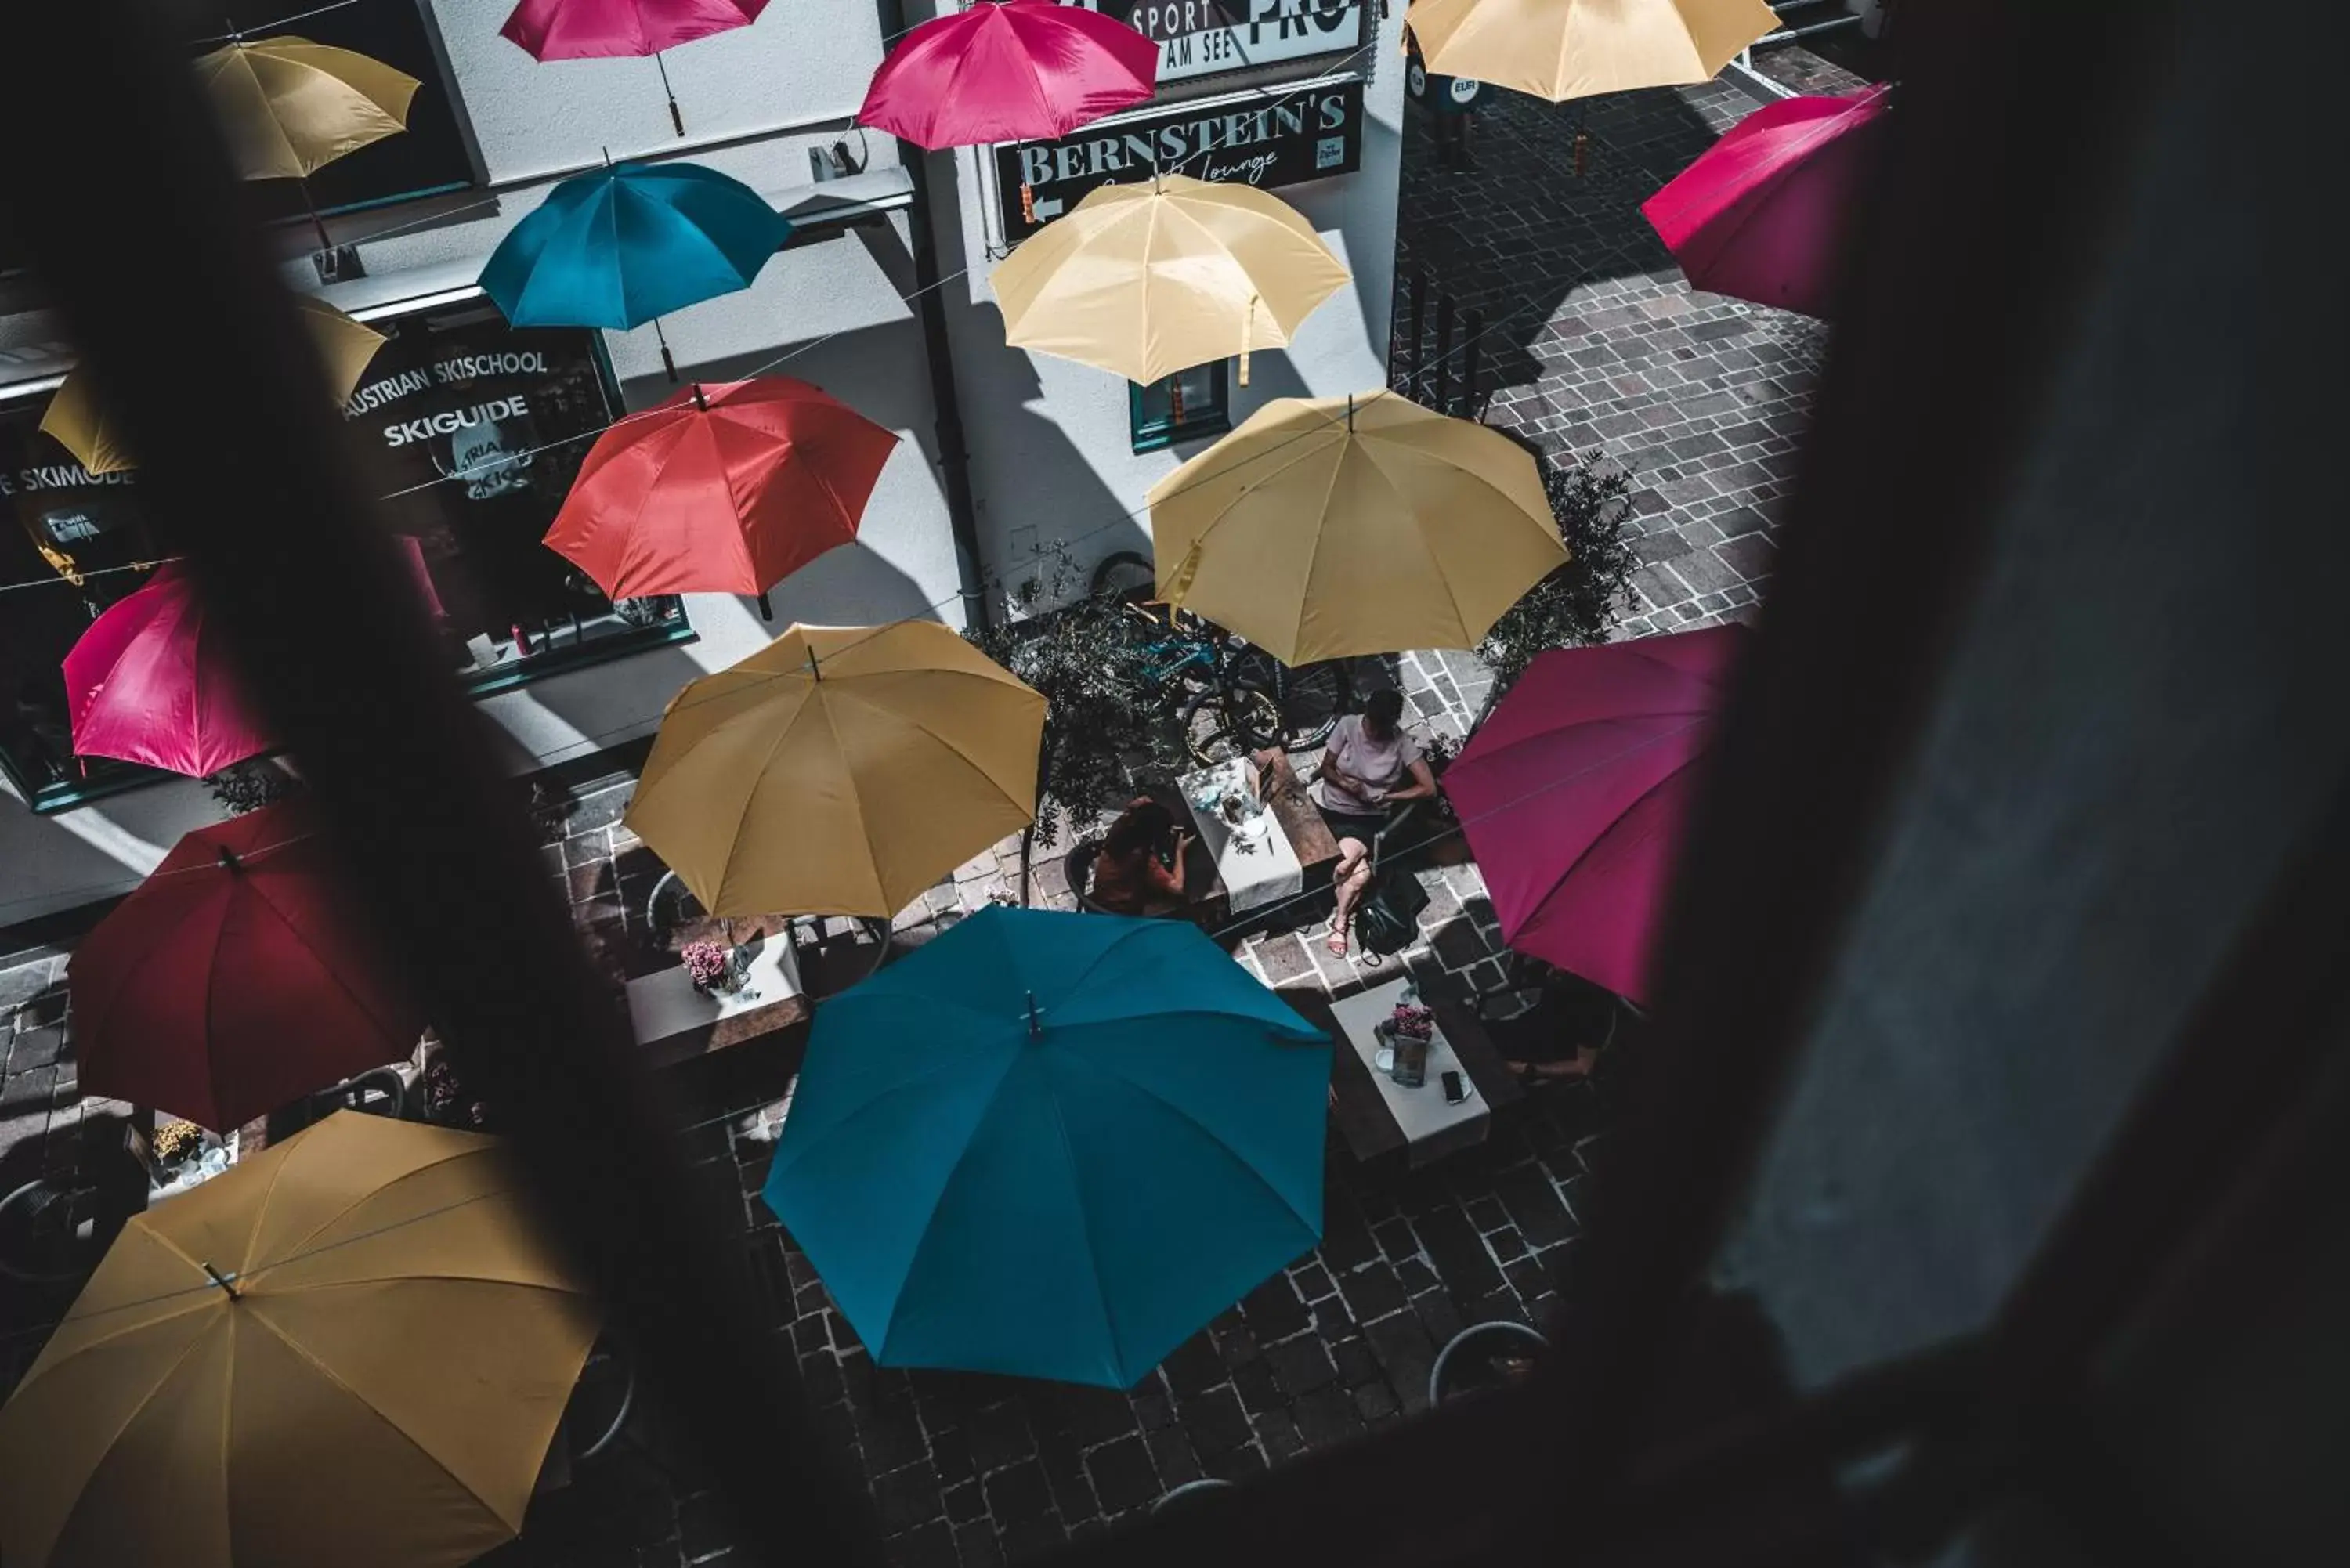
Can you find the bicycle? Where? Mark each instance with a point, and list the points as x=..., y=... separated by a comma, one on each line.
x=1307, y=700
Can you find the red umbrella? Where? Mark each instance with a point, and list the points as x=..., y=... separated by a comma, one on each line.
x=231, y=983
x=1009, y=70
x=603, y=29
x=1759, y=215
x=726, y=487
x=1574, y=790
x=144, y=685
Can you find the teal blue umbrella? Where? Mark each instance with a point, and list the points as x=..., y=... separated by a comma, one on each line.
x=622, y=244
x=1053, y=1146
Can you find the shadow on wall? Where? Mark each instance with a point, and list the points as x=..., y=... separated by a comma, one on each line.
x=1515, y=236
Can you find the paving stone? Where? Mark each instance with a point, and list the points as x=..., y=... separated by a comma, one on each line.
x=1313, y=1282
x=1258, y=1388
x=907, y=1497
x=1172, y=1453
x=1406, y=1353
x=1302, y=1364
x=1000, y=1436
x=1375, y=1401
x=1459, y=1254
x=1213, y=1420
x=1274, y=1312
x=977, y=1544
x=1356, y=1364
x=1277, y=1434
x=1123, y=1474
x=964, y=1504
x=1193, y=1366
x=1017, y=1494
x=932, y=1546
x=33, y=1048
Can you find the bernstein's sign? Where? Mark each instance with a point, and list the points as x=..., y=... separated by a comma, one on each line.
x=1273, y=139
x=1202, y=37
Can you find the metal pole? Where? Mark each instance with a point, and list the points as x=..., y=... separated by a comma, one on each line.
x=1443, y=366
x=1419, y=310
x=1473, y=326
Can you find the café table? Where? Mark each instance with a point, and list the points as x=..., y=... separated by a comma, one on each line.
x=1377, y=1117
x=673, y=1023
x=1207, y=901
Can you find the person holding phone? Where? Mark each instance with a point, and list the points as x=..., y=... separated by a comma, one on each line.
x=1140, y=870
x=1370, y=764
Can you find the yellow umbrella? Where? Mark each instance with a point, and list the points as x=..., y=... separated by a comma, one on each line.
x=289, y=106
x=1149, y=279
x=81, y=426
x=1328, y=527
x=840, y=771
x=1560, y=49
x=351, y=1348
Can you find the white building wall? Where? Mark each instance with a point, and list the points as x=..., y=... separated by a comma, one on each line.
x=1052, y=452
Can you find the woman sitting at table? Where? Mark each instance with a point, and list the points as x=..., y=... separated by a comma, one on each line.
x=1140, y=870
x=1369, y=766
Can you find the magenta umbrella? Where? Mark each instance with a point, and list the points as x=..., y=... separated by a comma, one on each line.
x=144, y=685
x=1009, y=70
x=1574, y=791
x=604, y=29
x=1760, y=214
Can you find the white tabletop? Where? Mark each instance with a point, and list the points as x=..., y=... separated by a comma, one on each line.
x=1431, y=1127
x=664, y=1002
x=1254, y=857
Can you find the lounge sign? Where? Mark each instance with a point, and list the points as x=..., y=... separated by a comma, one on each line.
x=1268, y=140
x=1202, y=37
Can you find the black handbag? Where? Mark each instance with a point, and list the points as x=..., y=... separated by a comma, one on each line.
x=1387, y=920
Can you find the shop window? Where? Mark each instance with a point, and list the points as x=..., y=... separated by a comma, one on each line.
x=1189, y=405
x=474, y=431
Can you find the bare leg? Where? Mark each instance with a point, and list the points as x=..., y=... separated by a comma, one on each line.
x=1351, y=876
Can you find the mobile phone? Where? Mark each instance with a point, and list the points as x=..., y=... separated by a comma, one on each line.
x=1454, y=1091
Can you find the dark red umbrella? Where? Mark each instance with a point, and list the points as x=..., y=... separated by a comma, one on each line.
x=1761, y=214
x=727, y=487
x=1009, y=70
x=1575, y=789
x=232, y=982
x=144, y=684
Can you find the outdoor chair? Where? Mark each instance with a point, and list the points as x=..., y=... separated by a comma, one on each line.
x=1079, y=870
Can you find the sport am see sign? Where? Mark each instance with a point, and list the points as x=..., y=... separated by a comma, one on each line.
x=1273, y=138
x=1202, y=38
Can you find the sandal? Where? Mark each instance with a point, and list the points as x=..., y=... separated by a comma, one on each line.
x=1337, y=941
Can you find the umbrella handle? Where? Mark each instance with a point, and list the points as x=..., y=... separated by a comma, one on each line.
x=675, y=118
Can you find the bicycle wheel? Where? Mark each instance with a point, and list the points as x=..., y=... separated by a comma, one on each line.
x=1311, y=697
x=1130, y=576
x=1219, y=725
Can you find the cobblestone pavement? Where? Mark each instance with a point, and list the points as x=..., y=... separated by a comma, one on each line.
x=1598, y=347
x=1593, y=344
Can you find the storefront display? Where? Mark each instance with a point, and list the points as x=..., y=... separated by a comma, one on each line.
x=472, y=431
x=1211, y=37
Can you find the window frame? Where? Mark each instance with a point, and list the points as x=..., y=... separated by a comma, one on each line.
x=1158, y=435
x=52, y=799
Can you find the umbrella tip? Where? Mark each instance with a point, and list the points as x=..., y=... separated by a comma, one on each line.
x=1035, y=1019
x=699, y=401
x=228, y=860
x=225, y=1281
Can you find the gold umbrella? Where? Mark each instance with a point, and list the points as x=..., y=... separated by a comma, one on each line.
x=1328, y=527
x=1560, y=49
x=1149, y=279
x=351, y=1348
x=76, y=418
x=290, y=107
x=840, y=771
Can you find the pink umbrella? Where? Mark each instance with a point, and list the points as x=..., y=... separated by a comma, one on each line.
x=1574, y=790
x=1759, y=215
x=1017, y=70
x=603, y=29
x=142, y=686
